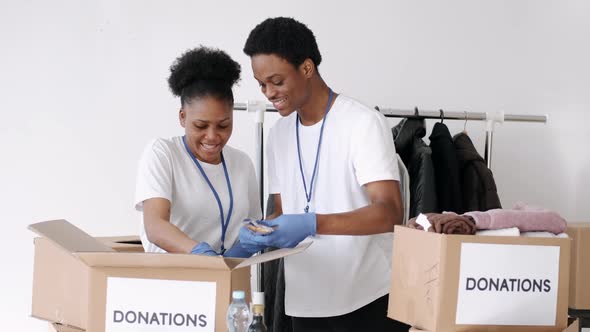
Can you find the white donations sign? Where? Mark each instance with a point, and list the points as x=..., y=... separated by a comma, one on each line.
x=503, y=284
x=154, y=305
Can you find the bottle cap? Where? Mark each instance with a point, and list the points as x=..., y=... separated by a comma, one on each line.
x=238, y=295
x=258, y=298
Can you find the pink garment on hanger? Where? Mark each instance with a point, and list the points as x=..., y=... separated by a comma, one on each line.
x=527, y=219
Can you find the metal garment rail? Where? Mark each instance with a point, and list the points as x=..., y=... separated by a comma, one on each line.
x=260, y=107
x=490, y=118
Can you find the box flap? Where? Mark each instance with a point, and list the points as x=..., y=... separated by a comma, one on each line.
x=275, y=254
x=56, y=327
x=573, y=325
x=121, y=239
x=152, y=260
x=129, y=243
x=68, y=236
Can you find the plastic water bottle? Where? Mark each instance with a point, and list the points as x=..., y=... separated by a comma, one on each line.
x=238, y=313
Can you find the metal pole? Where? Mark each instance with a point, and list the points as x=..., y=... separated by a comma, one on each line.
x=431, y=114
x=260, y=174
x=488, y=148
x=259, y=108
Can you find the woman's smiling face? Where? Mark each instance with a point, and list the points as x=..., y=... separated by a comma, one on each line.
x=208, y=124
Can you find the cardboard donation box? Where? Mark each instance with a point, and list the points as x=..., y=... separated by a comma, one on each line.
x=573, y=326
x=454, y=283
x=81, y=282
x=579, y=297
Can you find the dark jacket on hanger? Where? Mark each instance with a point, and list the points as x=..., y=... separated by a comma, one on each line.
x=417, y=157
x=477, y=180
x=446, y=169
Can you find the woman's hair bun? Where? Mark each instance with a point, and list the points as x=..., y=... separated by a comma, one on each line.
x=203, y=64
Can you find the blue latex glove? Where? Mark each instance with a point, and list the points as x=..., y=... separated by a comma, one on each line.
x=243, y=250
x=290, y=229
x=203, y=248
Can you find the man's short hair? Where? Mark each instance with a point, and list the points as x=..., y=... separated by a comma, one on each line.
x=285, y=37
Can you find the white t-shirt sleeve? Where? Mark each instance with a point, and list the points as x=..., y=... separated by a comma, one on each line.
x=373, y=150
x=154, y=176
x=274, y=185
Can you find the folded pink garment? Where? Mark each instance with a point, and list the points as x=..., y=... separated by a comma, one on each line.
x=525, y=220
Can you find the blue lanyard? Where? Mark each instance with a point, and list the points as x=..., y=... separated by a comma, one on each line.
x=231, y=196
x=317, y=154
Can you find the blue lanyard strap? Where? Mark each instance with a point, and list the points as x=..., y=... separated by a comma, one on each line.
x=317, y=154
x=231, y=196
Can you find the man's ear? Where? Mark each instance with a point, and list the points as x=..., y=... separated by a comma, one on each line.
x=307, y=68
x=182, y=118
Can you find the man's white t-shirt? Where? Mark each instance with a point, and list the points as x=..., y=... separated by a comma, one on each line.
x=337, y=274
x=166, y=170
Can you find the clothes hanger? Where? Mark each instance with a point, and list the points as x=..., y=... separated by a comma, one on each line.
x=442, y=115
x=465, y=124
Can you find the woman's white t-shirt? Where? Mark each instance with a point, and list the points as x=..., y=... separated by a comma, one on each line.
x=167, y=171
x=337, y=274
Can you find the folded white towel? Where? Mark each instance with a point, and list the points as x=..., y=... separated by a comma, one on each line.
x=512, y=231
x=544, y=234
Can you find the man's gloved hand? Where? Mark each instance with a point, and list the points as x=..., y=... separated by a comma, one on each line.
x=243, y=250
x=203, y=248
x=289, y=230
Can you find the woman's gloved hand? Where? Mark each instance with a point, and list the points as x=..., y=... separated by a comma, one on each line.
x=289, y=230
x=203, y=248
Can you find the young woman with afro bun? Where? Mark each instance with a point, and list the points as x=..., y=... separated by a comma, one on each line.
x=333, y=173
x=194, y=190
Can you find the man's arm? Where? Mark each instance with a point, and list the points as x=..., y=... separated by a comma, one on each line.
x=380, y=216
x=383, y=212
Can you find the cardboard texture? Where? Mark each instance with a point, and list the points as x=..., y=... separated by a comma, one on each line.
x=72, y=269
x=55, y=327
x=426, y=277
x=574, y=326
x=579, y=296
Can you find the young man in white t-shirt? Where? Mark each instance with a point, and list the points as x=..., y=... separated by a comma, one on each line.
x=333, y=172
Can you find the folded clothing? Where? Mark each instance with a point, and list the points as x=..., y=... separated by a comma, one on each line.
x=512, y=231
x=446, y=223
x=544, y=234
x=525, y=219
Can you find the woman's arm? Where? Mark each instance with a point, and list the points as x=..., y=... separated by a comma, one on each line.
x=159, y=230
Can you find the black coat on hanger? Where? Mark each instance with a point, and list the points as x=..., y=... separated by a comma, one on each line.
x=446, y=169
x=417, y=157
x=477, y=181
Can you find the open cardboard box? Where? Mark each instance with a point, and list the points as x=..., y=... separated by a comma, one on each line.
x=81, y=282
x=454, y=283
x=579, y=297
x=573, y=326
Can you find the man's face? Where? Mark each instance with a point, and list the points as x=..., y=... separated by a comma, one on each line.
x=285, y=86
x=208, y=123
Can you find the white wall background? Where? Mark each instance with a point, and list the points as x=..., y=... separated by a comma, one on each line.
x=83, y=88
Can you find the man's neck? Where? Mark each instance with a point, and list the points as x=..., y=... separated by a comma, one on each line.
x=313, y=111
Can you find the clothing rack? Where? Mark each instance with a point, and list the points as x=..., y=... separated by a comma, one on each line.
x=260, y=107
x=490, y=118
